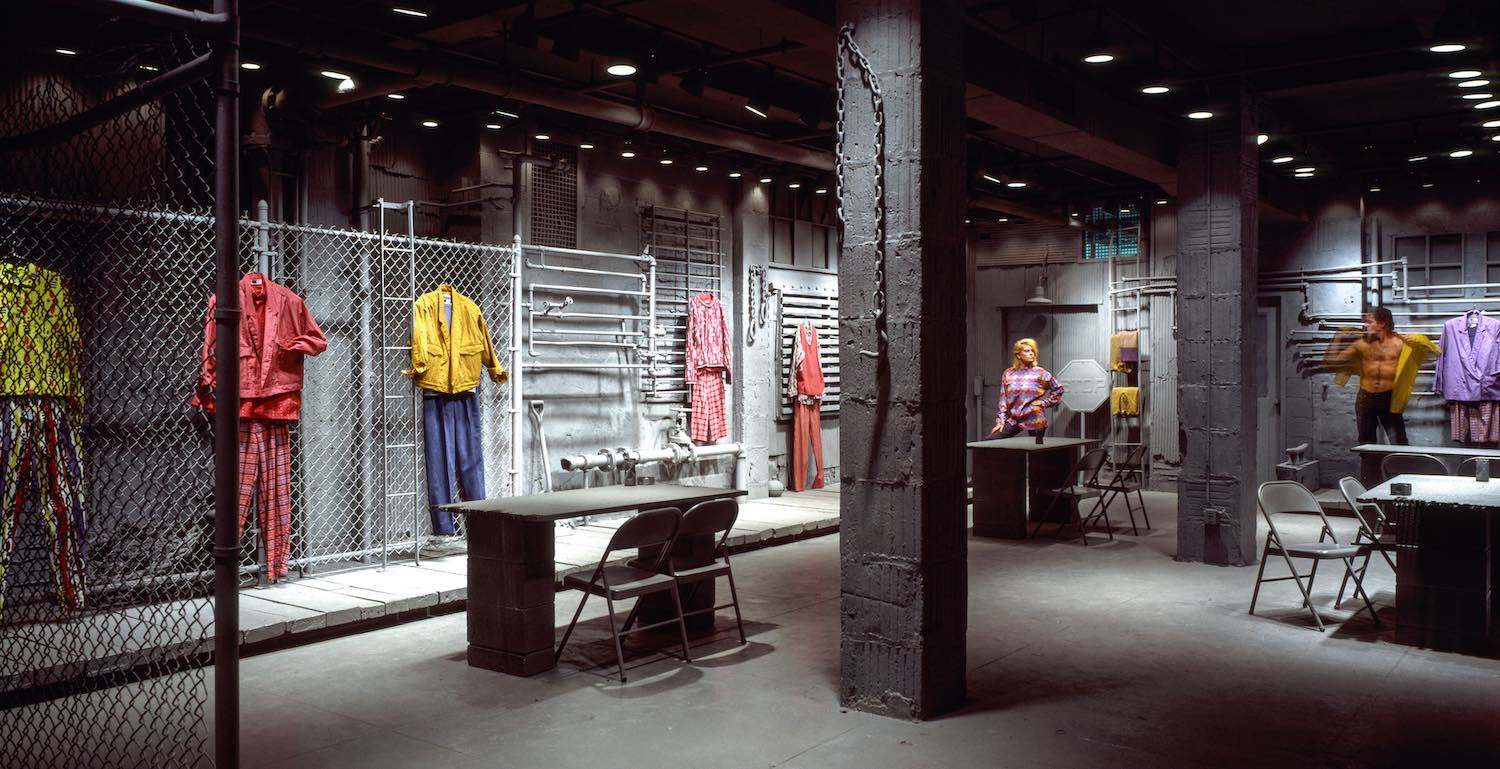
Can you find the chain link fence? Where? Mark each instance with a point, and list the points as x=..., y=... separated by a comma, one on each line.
x=106, y=470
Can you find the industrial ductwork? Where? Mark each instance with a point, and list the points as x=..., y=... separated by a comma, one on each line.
x=440, y=68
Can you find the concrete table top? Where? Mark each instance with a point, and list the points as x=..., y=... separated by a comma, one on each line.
x=1457, y=491
x=573, y=503
x=1028, y=443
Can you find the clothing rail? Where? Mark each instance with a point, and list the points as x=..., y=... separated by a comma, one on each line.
x=642, y=258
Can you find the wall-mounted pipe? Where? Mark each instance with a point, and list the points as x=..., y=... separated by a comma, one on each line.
x=613, y=459
x=1325, y=270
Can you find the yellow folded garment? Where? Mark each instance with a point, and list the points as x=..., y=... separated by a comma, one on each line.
x=1116, y=363
x=1125, y=401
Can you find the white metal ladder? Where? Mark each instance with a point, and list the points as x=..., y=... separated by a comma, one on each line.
x=400, y=405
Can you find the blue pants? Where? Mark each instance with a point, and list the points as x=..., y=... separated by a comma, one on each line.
x=455, y=463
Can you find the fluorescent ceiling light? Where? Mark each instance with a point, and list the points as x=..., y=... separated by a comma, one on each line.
x=1303, y=175
x=1495, y=138
x=1262, y=138
x=1426, y=185
x=396, y=96
x=1492, y=124
x=1099, y=58
x=1374, y=189
x=989, y=178
x=1447, y=48
x=754, y=109
x=333, y=74
x=1283, y=159
x=1473, y=84
x=511, y=115
x=1416, y=158
x=250, y=65
x=665, y=161
x=1487, y=105
x=1304, y=170
x=1201, y=114
x=735, y=174
x=1161, y=202
x=66, y=51
x=621, y=69
x=824, y=190
x=493, y=126
x=1460, y=153
x=585, y=145
x=1155, y=90
x=627, y=153
x=700, y=169
x=1464, y=74
x=765, y=180
x=794, y=185
x=1003, y=219
x=541, y=137
x=1478, y=96
x=429, y=124
x=1015, y=184
x=410, y=12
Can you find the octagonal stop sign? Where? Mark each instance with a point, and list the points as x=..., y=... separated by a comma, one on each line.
x=1085, y=385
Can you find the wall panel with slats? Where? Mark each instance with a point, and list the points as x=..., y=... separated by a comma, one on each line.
x=822, y=310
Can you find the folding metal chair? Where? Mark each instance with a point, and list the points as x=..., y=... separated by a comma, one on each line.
x=714, y=517
x=649, y=529
x=1470, y=466
x=1088, y=468
x=1374, y=531
x=1408, y=463
x=1291, y=497
x=1125, y=479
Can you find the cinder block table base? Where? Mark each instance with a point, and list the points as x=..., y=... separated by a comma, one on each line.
x=1008, y=477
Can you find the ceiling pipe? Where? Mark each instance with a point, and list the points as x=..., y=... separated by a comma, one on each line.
x=439, y=68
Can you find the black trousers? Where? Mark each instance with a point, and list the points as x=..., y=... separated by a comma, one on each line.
x=1372, y=409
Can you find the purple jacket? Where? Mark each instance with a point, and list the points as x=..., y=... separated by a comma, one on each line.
x=1469, y=371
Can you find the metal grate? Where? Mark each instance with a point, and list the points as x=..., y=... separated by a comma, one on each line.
x=689, y=260
x=822, y=310
x=554, y=202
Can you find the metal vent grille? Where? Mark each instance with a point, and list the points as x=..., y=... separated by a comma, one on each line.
x=689, y=260
x=554, y=203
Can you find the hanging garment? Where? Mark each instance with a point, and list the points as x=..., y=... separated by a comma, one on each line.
x=1130, y=347
x=1416, y=352
x=39, y=340
x=276, y=333
x=1025, y=394
x=41, y=478
x=266, y=477
x=1474, y=421
x=1125, y=401
x=805, y=386
x=450, y=343
x=1468, y=366
x=451, y=448
x=708, y=358
x=1116, y=363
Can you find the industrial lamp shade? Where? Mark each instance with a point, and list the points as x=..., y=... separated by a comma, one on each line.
x=1039, y=293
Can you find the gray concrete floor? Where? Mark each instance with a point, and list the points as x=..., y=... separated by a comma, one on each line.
x=1112, y=655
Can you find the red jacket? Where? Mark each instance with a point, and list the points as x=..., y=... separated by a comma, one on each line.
x=270, y=359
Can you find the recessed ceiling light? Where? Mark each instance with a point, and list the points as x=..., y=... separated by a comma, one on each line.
x=1003, y=219
x=148, y=68
x=493, y=126
x=1447, y=47
x=1303, y=175
x=1416, y=158
x=821, y=191
x=1478, y=96
x=794, y=185
x=700, y=169
x=396, y=96
x=1473, y=84
x=542, y=137
x=250, y=65
x=1283, y=159
x=1464, y=74
x=968, y=221
x=1201, y=114
x=735, y=174
x=765, y=180
x=627, y=153
x=1099, y=58
x=1495, y=138
x=1460, y=153
x=1487, y=105
x=1304, y=170
x=410, y=12
x=665, y=161
x=1374, y=189
x=1161, y=202
x=1072, y=213
x=586, y=145
x=1155, y=90
x=429, y=124
x=621, y=69
x=1426, y=185
x=333, y=74
x=1015, y=184
x=1262, y=138
x=66, y=51
x=1492, y=124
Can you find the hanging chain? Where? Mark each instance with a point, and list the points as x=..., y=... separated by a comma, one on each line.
x=849, y=52
x=759, y=299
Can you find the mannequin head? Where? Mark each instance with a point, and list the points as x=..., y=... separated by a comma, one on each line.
x=1023, y=353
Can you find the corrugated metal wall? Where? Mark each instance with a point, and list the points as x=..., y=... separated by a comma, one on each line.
x=1007, y=244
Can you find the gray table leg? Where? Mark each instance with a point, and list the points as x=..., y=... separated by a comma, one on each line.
x=511, y=595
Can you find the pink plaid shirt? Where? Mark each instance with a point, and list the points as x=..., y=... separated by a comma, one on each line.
x=707, y=336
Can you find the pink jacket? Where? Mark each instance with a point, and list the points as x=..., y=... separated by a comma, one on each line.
x=707, y=336
x=270, y=362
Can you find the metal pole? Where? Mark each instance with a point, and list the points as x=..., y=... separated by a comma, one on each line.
x=226, y=548
x=515, y=356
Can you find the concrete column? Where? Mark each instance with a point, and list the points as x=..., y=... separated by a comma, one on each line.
x=755, y=368
x=1216, y=265
x=903, y=541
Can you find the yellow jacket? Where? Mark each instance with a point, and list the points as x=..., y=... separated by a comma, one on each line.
x=446, y=359
x=39, y=340
x=1417, y=350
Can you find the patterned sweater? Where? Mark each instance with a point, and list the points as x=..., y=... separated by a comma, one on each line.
x=1024, y=394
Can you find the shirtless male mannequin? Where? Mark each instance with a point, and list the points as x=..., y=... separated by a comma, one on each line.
x=1378, y=352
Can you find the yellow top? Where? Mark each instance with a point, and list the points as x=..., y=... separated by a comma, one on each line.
x=446, y=357
x=39, y=340
x=1414, y=353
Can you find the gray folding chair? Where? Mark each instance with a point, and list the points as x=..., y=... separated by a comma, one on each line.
x=649, y=529
x=1126, y=478
x=1469, y=466
x=714, y=517
x=1374, y=531
x=1407, y=463
x=1074, y=490
x=1280, y=497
